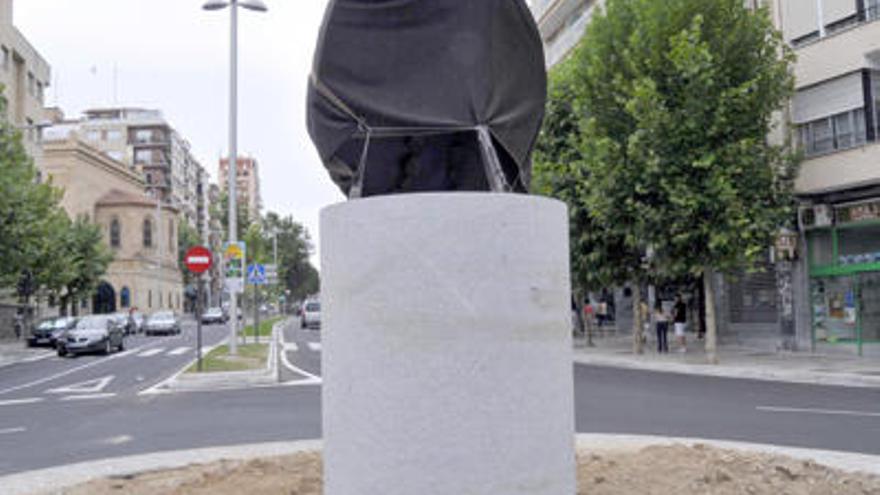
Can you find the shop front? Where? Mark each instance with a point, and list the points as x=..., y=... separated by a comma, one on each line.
x=843, y=246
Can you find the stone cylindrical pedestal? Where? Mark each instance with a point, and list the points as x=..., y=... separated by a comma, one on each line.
x=446, y=352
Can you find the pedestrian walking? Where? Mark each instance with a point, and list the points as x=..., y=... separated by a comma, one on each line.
x=679, y=313
x=661, y=320
x=601, y=313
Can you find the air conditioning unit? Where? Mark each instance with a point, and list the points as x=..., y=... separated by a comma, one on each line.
x=816, y=216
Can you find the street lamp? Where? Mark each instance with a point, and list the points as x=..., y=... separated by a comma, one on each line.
x=232, y=170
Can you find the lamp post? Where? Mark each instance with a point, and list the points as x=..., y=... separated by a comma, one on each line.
x=232, y=170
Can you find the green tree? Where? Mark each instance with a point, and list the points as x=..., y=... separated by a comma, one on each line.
x=29, y=215
x=600, y=255
x=88, y=257
x=676, y=101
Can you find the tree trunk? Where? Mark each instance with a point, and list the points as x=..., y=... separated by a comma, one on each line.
x=711, y=327
x=637, y=320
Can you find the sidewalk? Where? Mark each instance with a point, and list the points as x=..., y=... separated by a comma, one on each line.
x=734, y=362
x=17, y=351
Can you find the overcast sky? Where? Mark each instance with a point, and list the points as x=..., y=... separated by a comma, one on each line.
x=173, y=56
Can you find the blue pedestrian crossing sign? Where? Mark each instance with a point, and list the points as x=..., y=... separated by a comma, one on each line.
x=256, y=275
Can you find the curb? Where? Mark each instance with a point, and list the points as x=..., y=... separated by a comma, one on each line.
x=57, y=478
x=739, y=372
x=205, y=382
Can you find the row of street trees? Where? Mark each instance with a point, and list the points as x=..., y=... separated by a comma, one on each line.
x=657, y=137
x=43, y=251
x=297, y=277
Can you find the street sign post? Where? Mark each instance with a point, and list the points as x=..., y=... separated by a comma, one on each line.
x=234, y=256
x=256, y=277
x=198, y=260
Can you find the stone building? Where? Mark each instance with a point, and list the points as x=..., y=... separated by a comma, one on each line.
x=142, y=236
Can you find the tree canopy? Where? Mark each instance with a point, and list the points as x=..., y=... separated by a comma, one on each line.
x=657, y=138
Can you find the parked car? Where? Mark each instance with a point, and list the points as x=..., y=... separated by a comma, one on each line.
x=99, y=333
x=48, y=331
x=214, y=315
x=162, y=323
x=311, y=315
x=125, y=321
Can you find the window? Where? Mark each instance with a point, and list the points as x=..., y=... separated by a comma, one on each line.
x=93, y=135
x=30, y=129
x=6, y=57
x=149, y=178
x=838, y=132
x=125, y=297
x=148, y=233
x=143, y=156
x=171, y=235
x=32, y=90
x=40, y=91
x=149, y=298
x=114, y=135
x=143, y=136
x=115, y=233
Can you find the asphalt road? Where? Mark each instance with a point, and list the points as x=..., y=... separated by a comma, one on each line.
x=53, y=431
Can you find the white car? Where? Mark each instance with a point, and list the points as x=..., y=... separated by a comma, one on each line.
x=311, y=315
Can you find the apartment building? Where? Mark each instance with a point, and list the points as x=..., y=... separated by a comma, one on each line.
x=147, y=143
x=25, y=77
x=562, y=24
x=247, y=185
x=835, y=116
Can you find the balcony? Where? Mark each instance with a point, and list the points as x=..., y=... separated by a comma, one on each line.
x=841, y=170
x=839, y=52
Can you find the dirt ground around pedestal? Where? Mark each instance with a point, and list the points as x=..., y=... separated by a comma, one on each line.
x=659, y=470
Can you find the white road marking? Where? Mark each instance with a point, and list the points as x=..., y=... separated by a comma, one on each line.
x=71, y=370
x=15, y=402
x=290, y=347
x=315, y=346
x=86, y=387
x=6, y=431
x=178, y=351
x=151, y=352
x=88, y=397
x=830, y=412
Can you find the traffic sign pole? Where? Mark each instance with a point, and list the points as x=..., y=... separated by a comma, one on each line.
x=198, y=260
x=199, y=310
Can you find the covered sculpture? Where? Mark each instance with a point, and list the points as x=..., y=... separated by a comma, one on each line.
x=427, y=95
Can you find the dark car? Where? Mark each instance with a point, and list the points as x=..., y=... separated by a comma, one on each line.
x=162, y=323
x=213, y=315
x=49, y=330
x=98, y=333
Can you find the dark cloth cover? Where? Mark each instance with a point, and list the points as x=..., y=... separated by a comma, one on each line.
x=401, y=86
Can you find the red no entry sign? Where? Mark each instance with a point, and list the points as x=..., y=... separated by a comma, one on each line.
x=198, y=259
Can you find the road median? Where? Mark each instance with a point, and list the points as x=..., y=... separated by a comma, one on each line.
x=255, y=365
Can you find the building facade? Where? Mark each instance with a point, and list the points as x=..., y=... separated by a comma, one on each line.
x=835, y=115
x=147, y=143
x=562, y=24
x=247, y=185
x=25, y=76
x=142, y=237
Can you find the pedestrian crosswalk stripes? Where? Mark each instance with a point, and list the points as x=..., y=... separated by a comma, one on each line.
x=315, y=346
x=178, y=351
x=151, y=352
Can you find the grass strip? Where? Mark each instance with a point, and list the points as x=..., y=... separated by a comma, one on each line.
x=250, y=357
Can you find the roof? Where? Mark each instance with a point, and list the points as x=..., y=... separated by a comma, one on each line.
x=115, y=197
